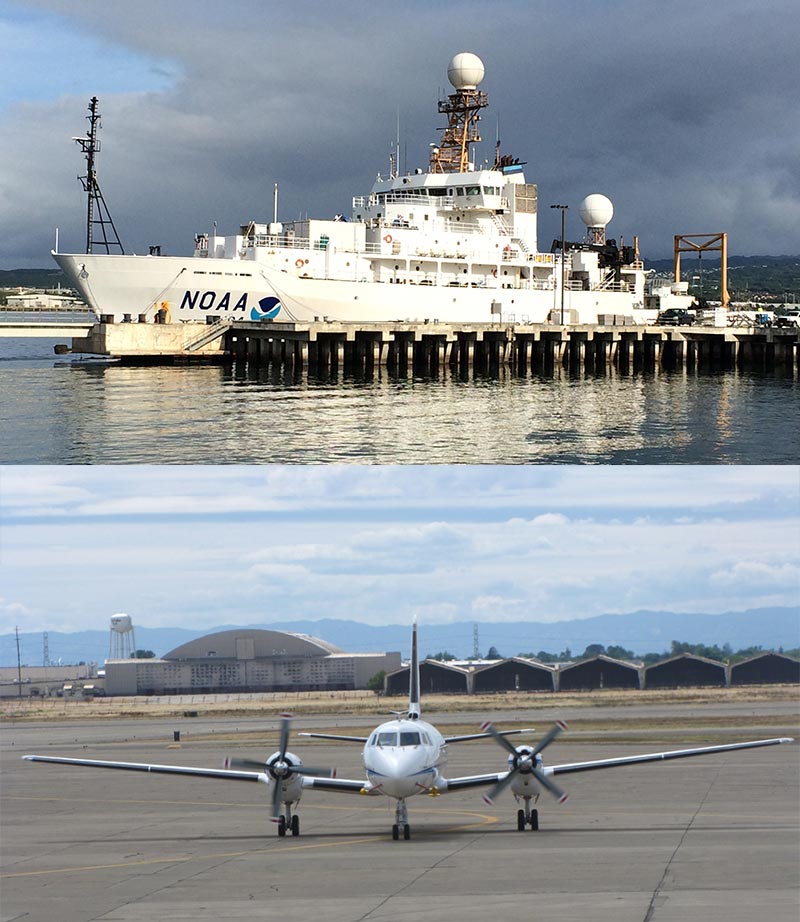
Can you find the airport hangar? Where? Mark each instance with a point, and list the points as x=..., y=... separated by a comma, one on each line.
x=247, y=660
x=527, y=675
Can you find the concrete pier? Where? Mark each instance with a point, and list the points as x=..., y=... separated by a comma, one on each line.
x=428, y=348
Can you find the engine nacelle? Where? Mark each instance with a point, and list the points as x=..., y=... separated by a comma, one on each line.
x=524, y=783
x=281, y=772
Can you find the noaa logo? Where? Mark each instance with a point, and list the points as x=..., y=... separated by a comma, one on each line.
x=268, y=309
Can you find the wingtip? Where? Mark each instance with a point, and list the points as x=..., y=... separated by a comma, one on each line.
x=488, y=801
x=562, y=724
x=563, y=799
x=485, y=726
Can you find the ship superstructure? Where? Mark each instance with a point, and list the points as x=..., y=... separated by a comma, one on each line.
x=450, y=243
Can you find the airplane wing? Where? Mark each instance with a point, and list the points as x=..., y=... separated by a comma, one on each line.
x=339, y=785
x=228, y=774
x=473, y=781
x=336, y=736
x=470, y=781
x=480, y=736
x=658, y=756
x=447, y=739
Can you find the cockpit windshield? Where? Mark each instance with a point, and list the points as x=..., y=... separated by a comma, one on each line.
x=390, y=738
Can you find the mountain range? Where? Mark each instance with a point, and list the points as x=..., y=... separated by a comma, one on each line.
x=641, y=631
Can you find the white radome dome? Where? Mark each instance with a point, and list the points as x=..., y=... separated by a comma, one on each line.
x=466, y=71
x=596, y=210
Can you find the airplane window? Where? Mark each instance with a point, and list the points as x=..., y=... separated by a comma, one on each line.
x=425, y=739
x=387, y=739
x=409, y=739
x=373, y=741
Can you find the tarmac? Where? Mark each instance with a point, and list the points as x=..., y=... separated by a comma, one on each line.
x=711, y=838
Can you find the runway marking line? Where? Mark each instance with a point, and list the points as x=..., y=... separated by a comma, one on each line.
x=487, y=821
x=221, y=803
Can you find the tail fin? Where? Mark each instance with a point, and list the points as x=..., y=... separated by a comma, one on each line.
x=414, y=711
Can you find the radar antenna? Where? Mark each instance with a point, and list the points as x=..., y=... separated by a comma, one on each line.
x=97, y=213
x=462, y=109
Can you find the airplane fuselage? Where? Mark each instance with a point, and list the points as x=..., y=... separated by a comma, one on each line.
x=404, y=757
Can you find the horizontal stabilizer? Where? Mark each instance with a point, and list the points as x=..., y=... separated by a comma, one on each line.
x=336, y=736
x=481, y=736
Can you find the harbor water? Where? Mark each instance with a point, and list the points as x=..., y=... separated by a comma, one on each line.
x=75, y=411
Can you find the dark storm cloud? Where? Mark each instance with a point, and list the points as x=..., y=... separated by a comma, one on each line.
x=684, y=113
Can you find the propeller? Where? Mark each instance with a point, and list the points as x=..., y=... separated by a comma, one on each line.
x=523, y=762
x=279, y=767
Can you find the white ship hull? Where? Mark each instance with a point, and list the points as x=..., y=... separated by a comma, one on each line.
x=135, y=287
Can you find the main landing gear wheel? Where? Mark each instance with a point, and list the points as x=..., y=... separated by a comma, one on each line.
x=291, y=823
x=521, y=822
x=534, y=819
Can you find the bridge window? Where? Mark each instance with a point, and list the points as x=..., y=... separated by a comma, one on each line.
x=473, y=190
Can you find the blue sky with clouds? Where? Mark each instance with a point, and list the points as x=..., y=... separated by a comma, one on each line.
x=204, y=546
x=684, y=113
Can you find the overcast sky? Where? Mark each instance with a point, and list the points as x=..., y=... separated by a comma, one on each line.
x=684, y=112
x=205, y=546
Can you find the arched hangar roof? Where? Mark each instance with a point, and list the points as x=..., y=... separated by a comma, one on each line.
x=434, y=676
x=685, y=669
x=251, y=643
x=599, y=671
x=514, y=674
x=764, y=668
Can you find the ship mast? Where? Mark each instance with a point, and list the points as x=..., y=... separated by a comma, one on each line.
x=97, y=213
x=462, y=109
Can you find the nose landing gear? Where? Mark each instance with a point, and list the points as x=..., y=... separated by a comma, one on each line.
x=401, y=822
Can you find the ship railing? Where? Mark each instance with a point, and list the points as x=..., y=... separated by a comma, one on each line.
x=610, y=282
x=580, y=285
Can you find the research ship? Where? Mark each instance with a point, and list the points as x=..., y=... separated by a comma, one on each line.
x=450, y=243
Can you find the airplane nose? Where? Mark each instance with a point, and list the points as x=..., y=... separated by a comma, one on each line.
x=394, y=772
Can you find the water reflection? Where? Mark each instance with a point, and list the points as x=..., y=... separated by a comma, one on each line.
x=245, y=413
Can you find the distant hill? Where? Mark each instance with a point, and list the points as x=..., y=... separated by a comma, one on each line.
x=32, y=278
x=642, y=632
x=749, y=277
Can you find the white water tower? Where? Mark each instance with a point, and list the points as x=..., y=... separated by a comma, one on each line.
x=596, y=212
x=122, y=641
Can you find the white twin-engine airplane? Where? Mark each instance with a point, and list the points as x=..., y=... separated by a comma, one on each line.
x=402, y=758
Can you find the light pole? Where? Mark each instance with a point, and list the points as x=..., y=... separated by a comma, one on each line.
x=563, y=210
